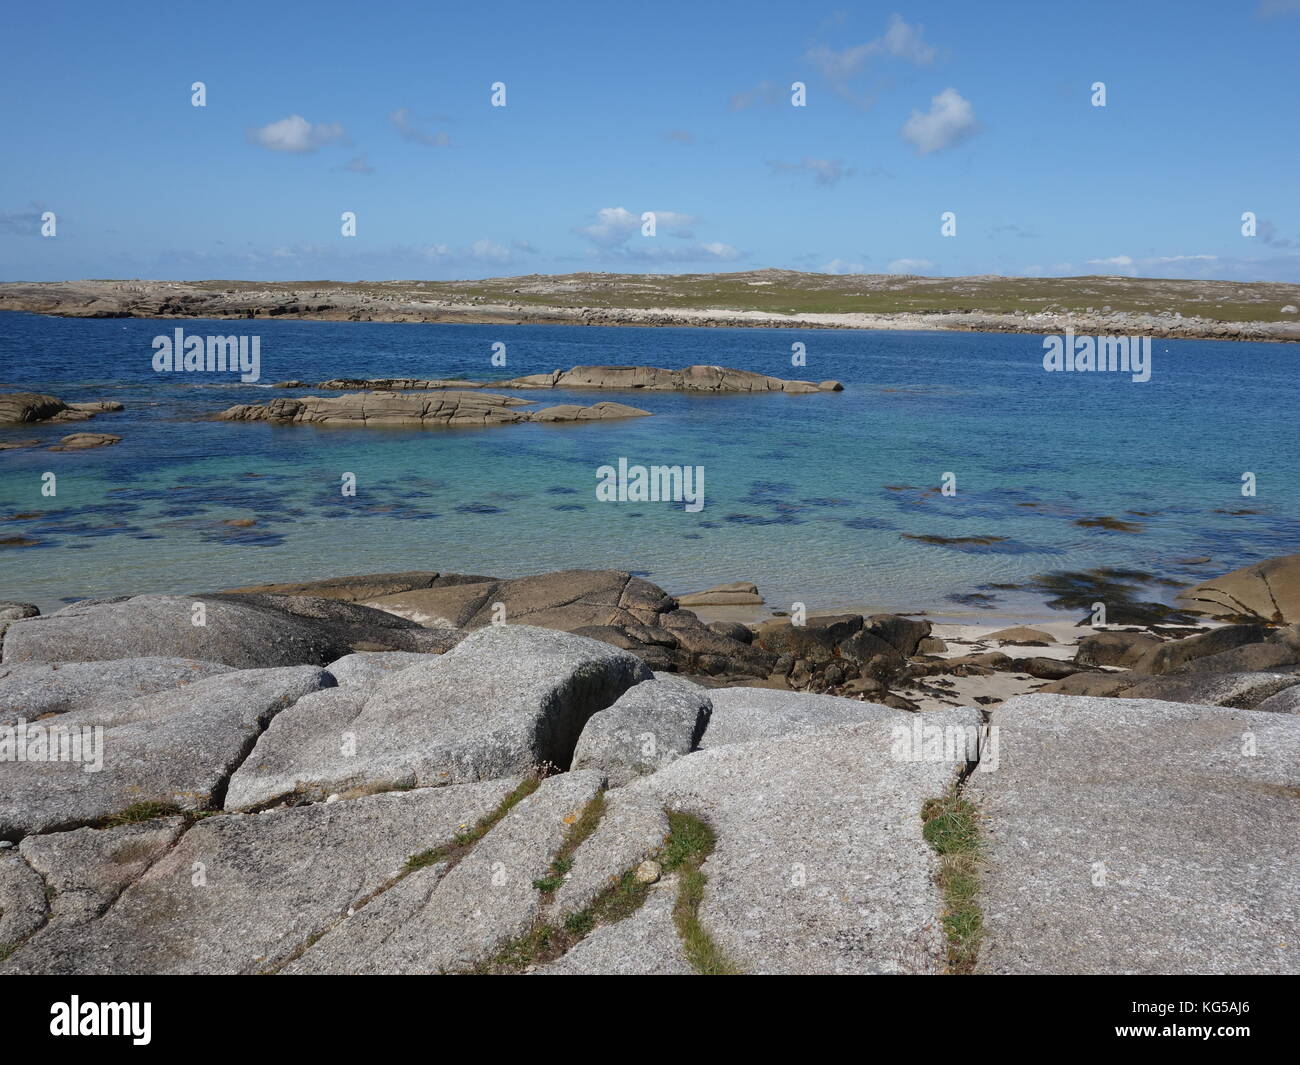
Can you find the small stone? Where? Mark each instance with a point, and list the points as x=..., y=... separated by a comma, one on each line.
x=648, y=872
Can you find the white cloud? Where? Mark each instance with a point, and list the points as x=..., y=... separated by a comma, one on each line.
x=296, y=134
x=842, y=266
x=614, y=225
x=410, y=131
x=1114, y=260
x=905, y=42
x=950, y=120
x=910, y=266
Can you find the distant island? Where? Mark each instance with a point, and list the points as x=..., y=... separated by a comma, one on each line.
x=1226, y=310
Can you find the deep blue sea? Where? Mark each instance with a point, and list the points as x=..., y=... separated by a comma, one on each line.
x=809, y=496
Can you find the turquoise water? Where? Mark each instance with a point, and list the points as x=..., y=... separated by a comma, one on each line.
x=808, y=496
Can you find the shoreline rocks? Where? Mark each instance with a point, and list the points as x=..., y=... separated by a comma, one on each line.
x=26, y=408
x=436, y=799
x=450, y=409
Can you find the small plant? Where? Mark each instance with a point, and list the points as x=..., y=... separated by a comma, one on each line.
x=461, y=842
x=690, y=842
x=141, y=811
x=951, y=827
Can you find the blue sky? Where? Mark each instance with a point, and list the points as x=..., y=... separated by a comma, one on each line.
x=683, y=109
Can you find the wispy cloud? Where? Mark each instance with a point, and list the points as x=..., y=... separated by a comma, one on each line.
x=680, y=136
x=1277, y=8
x=611, y=240
x=824, y=171
x=844, y=266
x=411, y=129
x=358, y=164
x=910, y=266
x=901, y=40
x=25, y=221
x=295, y=134
x=1267, y=232
x=764, y=94
x=950, y=120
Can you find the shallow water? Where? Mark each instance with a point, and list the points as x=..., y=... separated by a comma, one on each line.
x=808, y=496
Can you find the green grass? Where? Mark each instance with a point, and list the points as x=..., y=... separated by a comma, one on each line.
x=462, y=842
x=689, y=842
x=583, y=827
x=141, y=811
x=951, y=827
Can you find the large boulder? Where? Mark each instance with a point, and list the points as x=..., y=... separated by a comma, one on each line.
x=608, y=605
x=245, y=631
x=743, y=715
x=173, y=749
x=506, y=700
x=32, y=690
x=647, y=727
x=1124, y=649
x=17, y=408
x=363, y=586
x=1171, y=655
x=1269, y=591
x=1245, y=691
x=1249, y=657
x=1134, y=836
x=236, y=893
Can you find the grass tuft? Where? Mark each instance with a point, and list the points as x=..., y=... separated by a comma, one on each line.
x=690, y=842
x=462, y=842
x=951, y=827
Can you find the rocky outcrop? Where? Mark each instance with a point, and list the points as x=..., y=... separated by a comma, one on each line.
x=448, y=409
x=173, y=750
x=245, y=631
x=270, y=884
x=648, y=378
x=737, y=593
x=653, y=379
x=32, y=690
x=647, y=727
x=1264, y=591
x=1133, y=836
x=506, y=699
x=17, y=408
x=85, y=441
